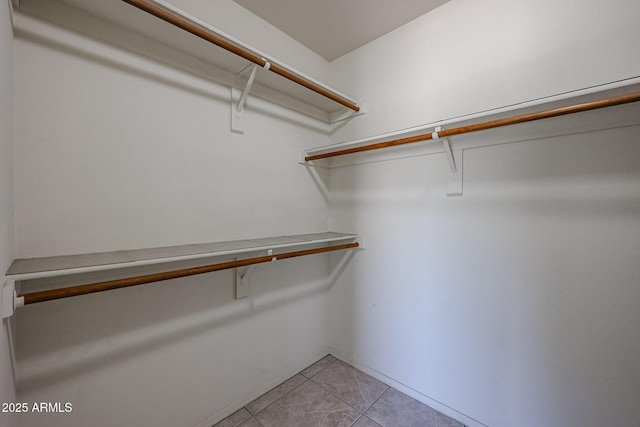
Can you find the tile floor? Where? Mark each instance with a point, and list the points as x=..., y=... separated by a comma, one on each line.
x=332, y=393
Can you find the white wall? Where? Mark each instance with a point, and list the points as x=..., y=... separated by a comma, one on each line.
x=491, y=306
x=233, y=19
x=468, y=56
x=115, y=151
x=515, y=304
x=160, y=181
x=7, y=390
x=512, y=305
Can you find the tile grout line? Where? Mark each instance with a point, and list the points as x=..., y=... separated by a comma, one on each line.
x=334, y=361
x=254, y=415
x=296, y=387
x=362, y=413
x=338, y=397
x=374, y=402
x=332, y=393
x=306, y=379
x=342, y=400
x=378, y=398
x=257, y=420
x=319, y=385
x=360, y=417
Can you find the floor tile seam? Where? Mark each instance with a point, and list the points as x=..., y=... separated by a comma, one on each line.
x=336, y=359
x=263, y=409
x=420, y=402
x=337, y=397
x=360, y=384
x=360, y=417
x=237, y=424
x=282, y=383
x=356, y=420
x=254, y=415
x=376, y=401
x=289, y=379
x=387, y=387
x=257, y=420
x=267, y=392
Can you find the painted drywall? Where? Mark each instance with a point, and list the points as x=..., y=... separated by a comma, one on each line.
x=467, y=56
x=115, y=150
x=237, y=21
x=124, y=25
x=7, y=389
x=178, y=176
x=490, y=325
x=515, y=304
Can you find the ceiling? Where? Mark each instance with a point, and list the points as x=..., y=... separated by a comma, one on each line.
x=332, y=28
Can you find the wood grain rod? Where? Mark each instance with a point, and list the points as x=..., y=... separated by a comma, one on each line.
x=545, y=114
x=209, y=36
x=72, y=291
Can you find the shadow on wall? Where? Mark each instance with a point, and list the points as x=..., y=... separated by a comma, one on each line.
x=113, y=63
x=93, y=331
x=208, y=80
x=521, y=291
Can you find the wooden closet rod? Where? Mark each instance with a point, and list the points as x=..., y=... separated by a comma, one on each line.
x=72, y=291
x=211, y=37
x=545, y=114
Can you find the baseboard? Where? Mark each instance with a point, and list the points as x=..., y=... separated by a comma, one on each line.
x=438, y=406
x=236, y=406
x=435, y=404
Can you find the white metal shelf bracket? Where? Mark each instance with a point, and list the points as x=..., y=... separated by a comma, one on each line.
x=454, y=157
x=454, y=183
x=242, y=279
x=242, y=283
x=237, y=109
x=245, y=92
x=447, y=148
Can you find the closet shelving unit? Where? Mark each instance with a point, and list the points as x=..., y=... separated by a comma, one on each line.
x=162, y=22
x=324, y=153
x=245, y=253
x=205, y=32
x=454, y=154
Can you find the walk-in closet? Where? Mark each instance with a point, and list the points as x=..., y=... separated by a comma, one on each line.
x=299, y=213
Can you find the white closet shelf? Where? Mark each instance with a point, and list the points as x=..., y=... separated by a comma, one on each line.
x=37, y=268
x=70, y=268
x=97, y=18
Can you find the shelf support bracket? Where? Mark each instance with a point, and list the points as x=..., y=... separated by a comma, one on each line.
x=237, y=110
x=454, y=182
x=245, y=92
x=454, y=157
x=9, y=300
x=446, y=145
x=242, y=279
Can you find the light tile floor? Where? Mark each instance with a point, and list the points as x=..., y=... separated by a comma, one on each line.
x=332, y=393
